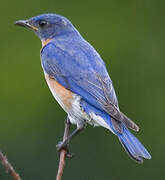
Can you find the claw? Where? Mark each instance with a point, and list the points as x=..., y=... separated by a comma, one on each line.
x=70, y=156
x=62, y=145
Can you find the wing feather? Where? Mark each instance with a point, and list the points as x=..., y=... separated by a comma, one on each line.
x=87, y=78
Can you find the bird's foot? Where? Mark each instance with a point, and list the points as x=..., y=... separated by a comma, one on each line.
x=63, y=145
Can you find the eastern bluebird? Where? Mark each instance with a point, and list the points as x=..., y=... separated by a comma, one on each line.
x=79, y=81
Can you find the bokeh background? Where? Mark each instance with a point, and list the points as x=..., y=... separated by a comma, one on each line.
x=130, y=36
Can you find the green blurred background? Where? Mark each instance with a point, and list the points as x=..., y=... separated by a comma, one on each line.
x=130, y=36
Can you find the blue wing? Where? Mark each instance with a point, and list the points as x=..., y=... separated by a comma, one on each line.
x=79, y=68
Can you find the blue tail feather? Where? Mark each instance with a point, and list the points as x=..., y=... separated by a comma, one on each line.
x=133, y=146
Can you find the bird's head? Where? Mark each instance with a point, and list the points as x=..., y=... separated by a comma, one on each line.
x=47, y=26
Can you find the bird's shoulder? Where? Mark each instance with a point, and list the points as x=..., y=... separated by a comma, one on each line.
x=73, y=53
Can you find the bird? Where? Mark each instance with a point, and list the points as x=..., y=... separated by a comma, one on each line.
x=79, y=81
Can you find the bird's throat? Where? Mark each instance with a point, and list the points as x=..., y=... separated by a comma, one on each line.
x=45, y=42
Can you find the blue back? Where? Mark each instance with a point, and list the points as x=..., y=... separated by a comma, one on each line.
x=76, y=65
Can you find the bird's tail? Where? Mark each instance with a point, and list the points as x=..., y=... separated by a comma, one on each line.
x=133, y=146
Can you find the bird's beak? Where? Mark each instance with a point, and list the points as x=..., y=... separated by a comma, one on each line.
x=25, y=23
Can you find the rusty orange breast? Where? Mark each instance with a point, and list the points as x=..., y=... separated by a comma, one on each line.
x=61, y=94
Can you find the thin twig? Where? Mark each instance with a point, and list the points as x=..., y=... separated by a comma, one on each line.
x=9, y=168
x=63, y=152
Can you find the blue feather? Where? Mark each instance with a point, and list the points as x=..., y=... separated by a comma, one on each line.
x=75, y=66
x=133, y=146
x=73, y=75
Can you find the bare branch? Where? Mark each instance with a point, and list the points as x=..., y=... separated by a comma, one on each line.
x=63, y=152
x=9, y=168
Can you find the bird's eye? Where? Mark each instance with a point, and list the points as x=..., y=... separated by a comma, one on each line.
x=43, y=23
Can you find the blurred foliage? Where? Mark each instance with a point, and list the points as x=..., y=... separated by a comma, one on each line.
x=129, y=35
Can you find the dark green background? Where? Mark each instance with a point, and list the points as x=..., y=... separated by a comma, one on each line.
x=130, y=36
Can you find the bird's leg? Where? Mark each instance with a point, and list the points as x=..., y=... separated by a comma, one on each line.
x=65, y=143
x=66, y=134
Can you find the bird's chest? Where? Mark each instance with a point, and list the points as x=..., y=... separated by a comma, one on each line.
x=62, y=95
x=69, y=101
